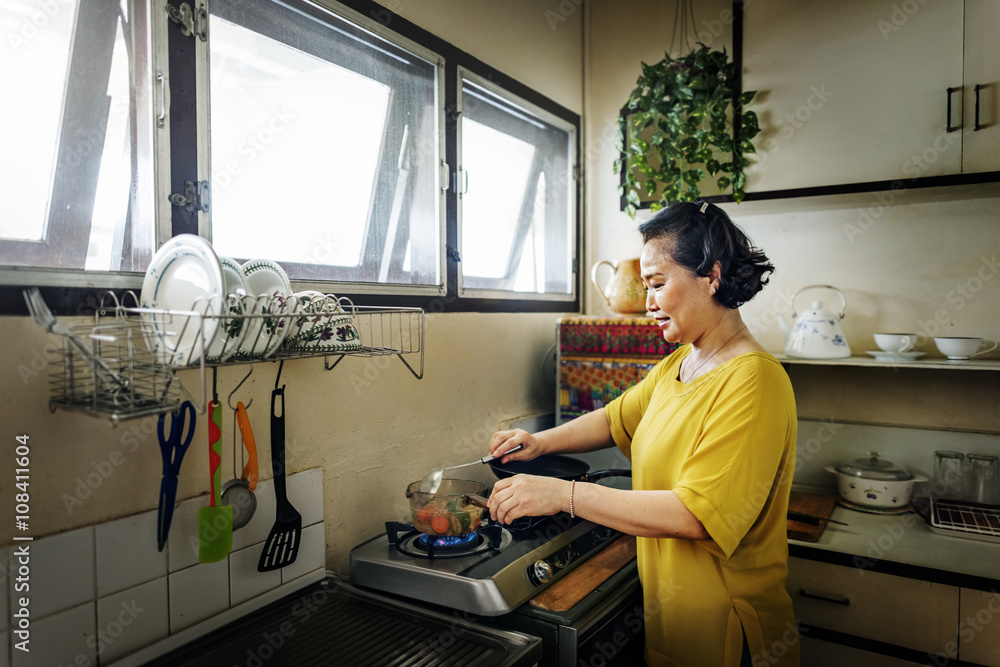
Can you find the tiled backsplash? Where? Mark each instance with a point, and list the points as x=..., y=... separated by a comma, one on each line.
x=100, y=593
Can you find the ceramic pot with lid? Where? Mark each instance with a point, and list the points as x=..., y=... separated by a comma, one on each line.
x=874, y=482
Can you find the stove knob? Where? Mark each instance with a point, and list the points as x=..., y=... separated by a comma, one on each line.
x=540, y=572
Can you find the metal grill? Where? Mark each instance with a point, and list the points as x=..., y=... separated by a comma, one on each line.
x=962, y=520
x=333, y=623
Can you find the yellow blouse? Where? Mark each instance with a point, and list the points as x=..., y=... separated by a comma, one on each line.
x=725, y=443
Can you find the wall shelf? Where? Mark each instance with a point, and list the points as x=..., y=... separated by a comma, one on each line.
x=936, y=363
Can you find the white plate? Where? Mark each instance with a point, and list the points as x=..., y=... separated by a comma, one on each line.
x=231, y=329
x=881, y=355
x=268, y=290
x=184, y=275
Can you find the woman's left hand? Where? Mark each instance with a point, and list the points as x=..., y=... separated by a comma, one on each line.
x=527, y=495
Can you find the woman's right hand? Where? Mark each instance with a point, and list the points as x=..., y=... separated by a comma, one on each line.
x=504, y=441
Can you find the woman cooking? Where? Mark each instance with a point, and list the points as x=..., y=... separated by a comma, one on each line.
x=710, y=432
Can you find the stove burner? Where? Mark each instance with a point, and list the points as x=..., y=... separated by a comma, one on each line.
x=409, y=541
x=443, y=544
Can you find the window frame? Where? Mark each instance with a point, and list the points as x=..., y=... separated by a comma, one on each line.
x=518, y=103
x=79, y=292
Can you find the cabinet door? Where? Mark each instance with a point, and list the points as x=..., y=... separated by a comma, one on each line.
x=979, y=628
x=852, y=91
x=897, y=610
x=982, y=68
x=817, y=653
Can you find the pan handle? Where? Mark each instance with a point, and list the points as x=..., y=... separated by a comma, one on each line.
x=601, y=474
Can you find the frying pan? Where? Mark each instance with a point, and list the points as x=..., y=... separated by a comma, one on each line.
x=555, y=465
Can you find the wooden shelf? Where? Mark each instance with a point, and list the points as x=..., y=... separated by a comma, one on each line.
x=937, y=363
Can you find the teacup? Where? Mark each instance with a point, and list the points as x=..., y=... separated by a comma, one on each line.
x=895, y=343
x=960, y=348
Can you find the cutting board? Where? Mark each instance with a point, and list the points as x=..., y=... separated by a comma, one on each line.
x=562, y=595
x=813, y=504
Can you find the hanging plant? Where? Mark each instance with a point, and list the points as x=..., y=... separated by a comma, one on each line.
x=678, y=125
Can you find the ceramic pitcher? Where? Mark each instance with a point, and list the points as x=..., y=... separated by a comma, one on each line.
x=624, y=292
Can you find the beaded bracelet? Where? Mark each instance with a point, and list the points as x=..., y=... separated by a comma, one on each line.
x=572, y=485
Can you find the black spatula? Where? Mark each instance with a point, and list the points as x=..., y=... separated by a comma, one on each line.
x=282, y=545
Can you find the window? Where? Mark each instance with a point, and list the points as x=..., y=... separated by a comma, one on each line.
x=517, y=196
x=303, y=131
x=325, y=146
x=77, y=172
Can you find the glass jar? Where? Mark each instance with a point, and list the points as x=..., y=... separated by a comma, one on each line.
x=948, y=475
x=983, y=479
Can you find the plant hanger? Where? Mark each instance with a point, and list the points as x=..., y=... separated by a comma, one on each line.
x=683, y=121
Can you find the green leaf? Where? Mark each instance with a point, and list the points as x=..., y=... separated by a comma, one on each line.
x=655, y=206
x=693, y=176
x=630, y=209
x=738, y=196
x=747, y=147
x=746, y=97
x=650, y=186
x=712, y=166
x=632, y=197
x=723, y=182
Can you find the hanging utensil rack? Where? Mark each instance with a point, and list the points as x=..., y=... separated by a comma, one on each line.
x=130, y=340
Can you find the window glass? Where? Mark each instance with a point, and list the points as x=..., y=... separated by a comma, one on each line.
x=324, y=146
x=518, y=213
x=72, y=168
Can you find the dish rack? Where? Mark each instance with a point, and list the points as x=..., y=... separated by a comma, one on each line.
x=123, y=369
x=975, y=522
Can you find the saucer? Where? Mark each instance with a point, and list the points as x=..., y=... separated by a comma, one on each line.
x=881, y=355
x=903, y=509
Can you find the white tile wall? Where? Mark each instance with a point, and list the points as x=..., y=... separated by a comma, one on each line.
x=306, y=495
x=197, y=593
x=58, y=582
x=127, y=553
x=65, y=638
x=312, y=554
x=182, y=543
x=118, y=593
x=245, y=582
x=257, y=530
x=131, y=619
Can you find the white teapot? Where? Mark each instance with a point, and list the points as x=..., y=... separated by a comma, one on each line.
x=817, y=333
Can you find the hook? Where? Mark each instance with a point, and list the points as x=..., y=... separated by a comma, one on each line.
x=245, y=378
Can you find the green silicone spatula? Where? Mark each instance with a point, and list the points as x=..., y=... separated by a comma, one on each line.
x=215, y=522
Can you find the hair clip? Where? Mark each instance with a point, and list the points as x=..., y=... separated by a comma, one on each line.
x=703, y=207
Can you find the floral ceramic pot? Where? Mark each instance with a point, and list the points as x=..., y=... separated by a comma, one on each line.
x=874, y=482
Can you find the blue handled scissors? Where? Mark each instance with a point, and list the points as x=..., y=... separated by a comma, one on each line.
x=172, y=447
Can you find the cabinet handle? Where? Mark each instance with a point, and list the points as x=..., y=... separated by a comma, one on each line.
x=843, y=601
x=975, y=125
x=947, y=125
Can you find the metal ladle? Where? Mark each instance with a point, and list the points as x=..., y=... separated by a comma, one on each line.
x=431, y=482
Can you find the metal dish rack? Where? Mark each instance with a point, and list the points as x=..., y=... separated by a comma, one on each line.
x=131, y=370
x=974, y=522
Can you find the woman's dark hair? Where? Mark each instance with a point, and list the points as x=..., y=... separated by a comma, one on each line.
x=702, y=239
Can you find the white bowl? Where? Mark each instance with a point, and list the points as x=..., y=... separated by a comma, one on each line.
x=894, y=342
x=961, y=348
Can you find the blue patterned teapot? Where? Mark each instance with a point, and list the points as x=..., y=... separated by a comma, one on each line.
x=817, y=333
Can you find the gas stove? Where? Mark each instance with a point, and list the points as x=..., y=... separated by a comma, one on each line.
x=489, y=573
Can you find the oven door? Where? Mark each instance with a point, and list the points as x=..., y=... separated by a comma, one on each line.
x=604, y=628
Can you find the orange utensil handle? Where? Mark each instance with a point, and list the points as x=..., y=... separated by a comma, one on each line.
x=215, y=453
x=250, y=469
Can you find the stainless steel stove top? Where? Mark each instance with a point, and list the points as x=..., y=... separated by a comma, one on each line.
x=508, y=567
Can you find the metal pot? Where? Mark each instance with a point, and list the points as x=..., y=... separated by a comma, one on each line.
x=874, y=482
x=450, y=511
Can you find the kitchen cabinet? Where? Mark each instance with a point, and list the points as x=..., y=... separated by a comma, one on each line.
x=818, y=653
x=868, y=604
x=979, y=627
x=857, y=92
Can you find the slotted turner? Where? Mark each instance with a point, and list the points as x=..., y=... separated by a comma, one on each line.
x=282, y=545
